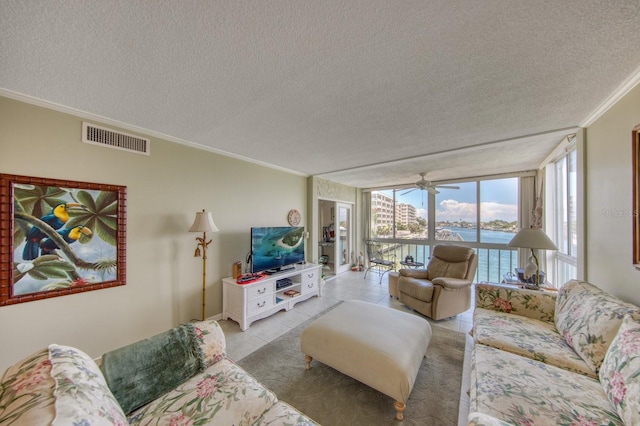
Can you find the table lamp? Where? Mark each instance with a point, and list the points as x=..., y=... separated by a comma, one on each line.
x=533, y=238
x=203, y=223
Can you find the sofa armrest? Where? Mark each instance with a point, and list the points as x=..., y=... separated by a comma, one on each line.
x=211, y=340
x=536, y=304
x=451, y=283
x=421, y=274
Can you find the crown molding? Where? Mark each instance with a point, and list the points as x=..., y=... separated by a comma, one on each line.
x=140, y=130
x=618, y=94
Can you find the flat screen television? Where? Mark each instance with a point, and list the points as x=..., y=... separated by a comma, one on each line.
x=276, y=248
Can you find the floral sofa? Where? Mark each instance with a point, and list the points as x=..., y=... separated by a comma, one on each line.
x=546, y=358
x=180, y=377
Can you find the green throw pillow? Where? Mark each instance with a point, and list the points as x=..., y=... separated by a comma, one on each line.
x=143, y=371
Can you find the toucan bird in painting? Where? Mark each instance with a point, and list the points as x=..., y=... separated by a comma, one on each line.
x=56, y=219
x=70, y=235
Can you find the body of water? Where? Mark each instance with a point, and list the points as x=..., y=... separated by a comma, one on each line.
x=493, y=264
x=486, y=236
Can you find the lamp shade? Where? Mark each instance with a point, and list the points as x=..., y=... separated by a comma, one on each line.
x=533, y=238
x=203, y=223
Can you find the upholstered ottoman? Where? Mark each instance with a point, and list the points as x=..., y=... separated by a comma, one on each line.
x=378, y=346
x=393, y=284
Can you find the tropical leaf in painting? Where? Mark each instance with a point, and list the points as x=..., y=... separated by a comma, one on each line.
x=36, y=201
x=66, y=284
x=56, y=269
x=99, y=216
x=56, y=286
x=44, y=268
x=20, y=231
x=107, y=199
x=105, y=266
x=86, y=199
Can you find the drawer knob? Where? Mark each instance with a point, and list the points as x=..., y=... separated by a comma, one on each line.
x=263, y=291
x=260, y=305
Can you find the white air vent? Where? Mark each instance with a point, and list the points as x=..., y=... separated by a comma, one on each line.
x=96, y=135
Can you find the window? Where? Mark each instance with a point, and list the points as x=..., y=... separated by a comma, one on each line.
x=400, y=214
x=481, y=214
x=562, y=222
x=457, y=213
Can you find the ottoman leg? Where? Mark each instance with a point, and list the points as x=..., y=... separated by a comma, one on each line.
x=308, y=360
x=399, y=406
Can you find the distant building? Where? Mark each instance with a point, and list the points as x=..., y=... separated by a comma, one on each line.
x=381, y=209
x=405, y=214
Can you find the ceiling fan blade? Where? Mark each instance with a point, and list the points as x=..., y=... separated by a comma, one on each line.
x=447, y=187
x=411, y=190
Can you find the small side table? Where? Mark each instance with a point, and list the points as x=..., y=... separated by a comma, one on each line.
x=510, y=278
x=411, y=264
x=518, y=285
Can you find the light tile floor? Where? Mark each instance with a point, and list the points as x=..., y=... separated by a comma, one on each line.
x=348, y=286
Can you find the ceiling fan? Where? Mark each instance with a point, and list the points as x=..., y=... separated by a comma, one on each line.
x=425, y=185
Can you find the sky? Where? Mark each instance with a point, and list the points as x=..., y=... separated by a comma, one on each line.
x=498, y=200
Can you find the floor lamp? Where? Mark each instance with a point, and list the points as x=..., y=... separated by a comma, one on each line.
x=203, y=223
x=533, y=238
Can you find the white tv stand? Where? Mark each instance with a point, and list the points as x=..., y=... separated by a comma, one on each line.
x=246, y=303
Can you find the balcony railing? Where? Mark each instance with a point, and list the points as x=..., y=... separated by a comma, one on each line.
x=494, y=260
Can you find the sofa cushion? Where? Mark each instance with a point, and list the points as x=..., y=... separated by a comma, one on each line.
x=588, y=318
x=140, y=372
x=81, y=393
x=528, y=337
x=523, y=391
x=620, y=371
x=26, y=392
x=223, y=394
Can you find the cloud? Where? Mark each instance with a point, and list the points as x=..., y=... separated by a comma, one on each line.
x=453, y=210
x=493, y=211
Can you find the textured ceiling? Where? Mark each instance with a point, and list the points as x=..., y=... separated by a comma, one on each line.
x=339, y=89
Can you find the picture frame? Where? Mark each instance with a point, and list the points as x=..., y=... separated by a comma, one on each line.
x=59, y=237
x=635, y=210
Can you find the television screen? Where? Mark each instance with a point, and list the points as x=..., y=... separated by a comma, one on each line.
x=275, y=247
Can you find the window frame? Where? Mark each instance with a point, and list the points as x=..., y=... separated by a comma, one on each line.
x=568, y=261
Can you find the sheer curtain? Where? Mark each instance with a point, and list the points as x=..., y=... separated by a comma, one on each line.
x=531, y=211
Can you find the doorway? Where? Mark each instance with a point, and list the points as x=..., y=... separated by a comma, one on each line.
x=335, y=245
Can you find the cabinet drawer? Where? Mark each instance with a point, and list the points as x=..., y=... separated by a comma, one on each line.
x=259, y=290
x=309, y=285
x=259, y=304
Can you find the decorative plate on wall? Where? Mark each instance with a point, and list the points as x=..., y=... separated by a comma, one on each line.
x=294, y=217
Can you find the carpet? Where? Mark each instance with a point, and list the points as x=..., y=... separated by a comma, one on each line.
x=333, y=399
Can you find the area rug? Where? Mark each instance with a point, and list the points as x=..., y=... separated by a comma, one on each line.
x=334, y=399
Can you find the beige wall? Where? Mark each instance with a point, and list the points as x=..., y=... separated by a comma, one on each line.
x=164, y=280
x=608, y=197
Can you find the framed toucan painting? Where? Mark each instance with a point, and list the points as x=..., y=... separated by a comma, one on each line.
x=59, y=237
x=635, y=210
